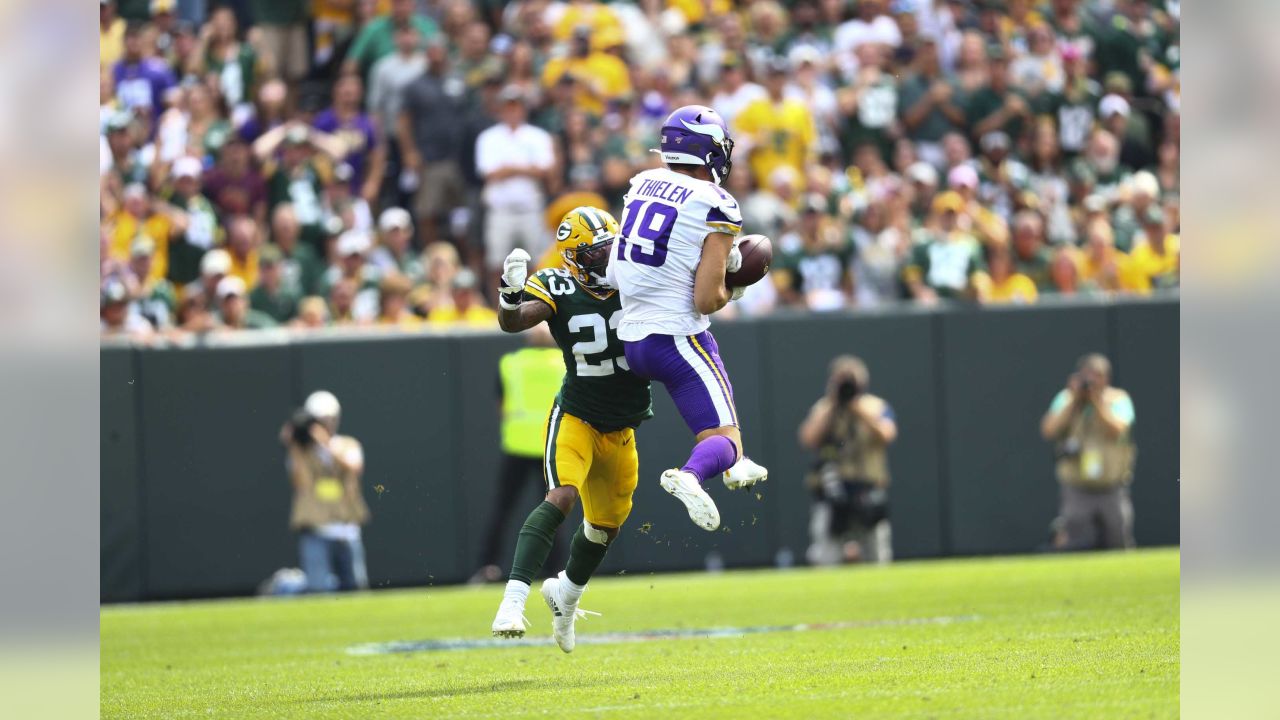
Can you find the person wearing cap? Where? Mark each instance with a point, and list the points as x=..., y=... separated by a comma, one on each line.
x=430, y=139
x=274, y=296
x=350, y=251
x=599, y=77
x=924, y=186
x=394, y=252
x=946, y=257
x=393, y=302
x=1156, y=252
x=283, y=27
x=997, y=104
x=734, y=92
x=297, y=179
x=155, y=296
x=345, y=120
x=138, y=215
x=214, y=266
x=467, y=308
x=1137, y=194
x=197, y=227
x=141, y=81
x=813, y=266
x=775, y=131
x=1131, y=128
x=234, y=312
x=116, y=315
x=325, y=469
x=341, y=209
x=928, y=102
x=987, y=226
x=515, y=159
x=376, y=39
x=1001, y=176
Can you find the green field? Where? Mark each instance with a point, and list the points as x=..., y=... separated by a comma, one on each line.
x=1034, y=637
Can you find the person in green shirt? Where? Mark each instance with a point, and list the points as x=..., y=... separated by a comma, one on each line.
x=233, y=308
x=236, y=64
x=997, y=105
x=377, y=38
x=943, y=264
x=301, y=266
x=273, y=296
x=155, y=297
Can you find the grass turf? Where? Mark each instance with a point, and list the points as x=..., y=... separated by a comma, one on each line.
x=1052, y=637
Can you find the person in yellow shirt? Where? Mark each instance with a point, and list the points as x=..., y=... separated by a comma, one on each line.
x=393, y=302
x=242, y=246
x=110, y=34
x=775, y=130
x=1157, y=255
x=1104, y=267
x=1000, y=283
x=595, y=16
x=134, y=218
x=599, y=76
x=468, y=308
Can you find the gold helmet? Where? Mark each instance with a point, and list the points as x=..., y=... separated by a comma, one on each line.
x=584, y=239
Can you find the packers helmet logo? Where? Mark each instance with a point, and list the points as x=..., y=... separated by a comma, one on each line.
x=565, y=229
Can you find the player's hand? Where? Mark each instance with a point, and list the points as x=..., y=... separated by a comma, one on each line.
x=734, y=263
x=515, y=271
x=737, y=293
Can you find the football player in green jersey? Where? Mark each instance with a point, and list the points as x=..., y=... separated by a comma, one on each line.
x=589, y=448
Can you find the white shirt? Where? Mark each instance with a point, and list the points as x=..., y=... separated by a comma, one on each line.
x=501, y=147
x=730, y=104
x=667, y=217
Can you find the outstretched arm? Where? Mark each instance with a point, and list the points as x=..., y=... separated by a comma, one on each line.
x=523, y=316
x=709, y=291
x=516, y=315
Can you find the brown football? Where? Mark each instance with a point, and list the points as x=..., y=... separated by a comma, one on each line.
x=757, y=255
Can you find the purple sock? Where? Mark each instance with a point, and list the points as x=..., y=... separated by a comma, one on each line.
x=711, y=457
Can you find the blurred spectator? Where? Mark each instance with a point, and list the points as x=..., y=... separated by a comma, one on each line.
x=1139, y=194
x=325, y=469
x=812, y=268
x=138, y=215
x=515, y=159
x=196, y=227
x=111, y=30
x=869, y=106
x=116, y=318
x=774, y=131
x=392, y=74
x=141, y=81
x=928, y=104
x=154, y=296
x=1001, y=282
x=313, y=313
x=214, y=266
x=274, y=296
x=850, y=430
x=235, y=66
x=297, y=179
x=1105, y=268
x=734, y=92
x=349, y=267
x=1030, y=256
x=1156, y=252
x=1089, y=422
x=283, y=24
x=301, y=266
x=598, y=77
x=393, y=302
x=377, y=38
x=770, y=209
x=430, y=140
x=946, y=257
x=233, y=307
x=880, y=246
x=393, y=253
x=346, y=122
x=234, y=185
x=467, y=306
x=243, y=242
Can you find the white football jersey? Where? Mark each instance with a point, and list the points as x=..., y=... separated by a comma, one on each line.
x=666, y=218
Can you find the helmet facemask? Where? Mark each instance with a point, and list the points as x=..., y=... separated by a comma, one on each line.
x=589, y=262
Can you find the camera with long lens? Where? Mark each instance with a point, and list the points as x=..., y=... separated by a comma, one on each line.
x=301, y=423
x=848, y=389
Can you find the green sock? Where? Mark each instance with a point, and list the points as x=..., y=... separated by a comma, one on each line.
x=534, y=543
x=584, y=557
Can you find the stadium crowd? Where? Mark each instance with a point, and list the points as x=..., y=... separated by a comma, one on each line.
x=312, y=163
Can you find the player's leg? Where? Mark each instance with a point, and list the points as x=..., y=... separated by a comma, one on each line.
x=606, y=503
x=566, y=461
x=744, y=472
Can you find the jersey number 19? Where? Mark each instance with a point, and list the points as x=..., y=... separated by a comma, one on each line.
x=649, y=239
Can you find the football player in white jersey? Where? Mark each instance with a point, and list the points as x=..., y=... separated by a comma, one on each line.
x=669, y=263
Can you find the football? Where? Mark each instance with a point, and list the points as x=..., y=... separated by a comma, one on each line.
x=757, y=254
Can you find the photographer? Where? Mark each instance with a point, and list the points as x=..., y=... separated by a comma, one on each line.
x=850, y=429
x=1090, y=420
x=328, y=507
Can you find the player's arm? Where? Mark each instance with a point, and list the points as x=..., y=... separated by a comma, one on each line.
x=514, y=315
x=709, y=291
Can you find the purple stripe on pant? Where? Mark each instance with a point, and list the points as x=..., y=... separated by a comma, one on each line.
x=690, y=368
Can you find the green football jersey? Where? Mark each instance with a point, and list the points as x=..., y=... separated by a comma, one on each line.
x=598, y=386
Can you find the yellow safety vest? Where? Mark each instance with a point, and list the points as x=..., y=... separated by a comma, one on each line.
x=530, y=380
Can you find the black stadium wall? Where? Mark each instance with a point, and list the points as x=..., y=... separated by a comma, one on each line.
x=195, y=500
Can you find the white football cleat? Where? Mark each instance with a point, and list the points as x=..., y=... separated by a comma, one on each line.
x=685, y=487
x=510, y=621
x=745, y=473
x=563, y=615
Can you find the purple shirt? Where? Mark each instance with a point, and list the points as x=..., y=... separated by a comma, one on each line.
x=359, y=136
x=142, y=85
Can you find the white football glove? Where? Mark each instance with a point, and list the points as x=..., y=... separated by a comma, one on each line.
x=734, y=263
x=737, y=293
x=515, y=271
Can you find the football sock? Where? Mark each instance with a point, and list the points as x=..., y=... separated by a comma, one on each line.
x=534, y=543
x=516, y=590
x=711, y=457
x=584, y=557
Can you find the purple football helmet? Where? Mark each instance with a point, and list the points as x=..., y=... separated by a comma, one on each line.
x=697, y=135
